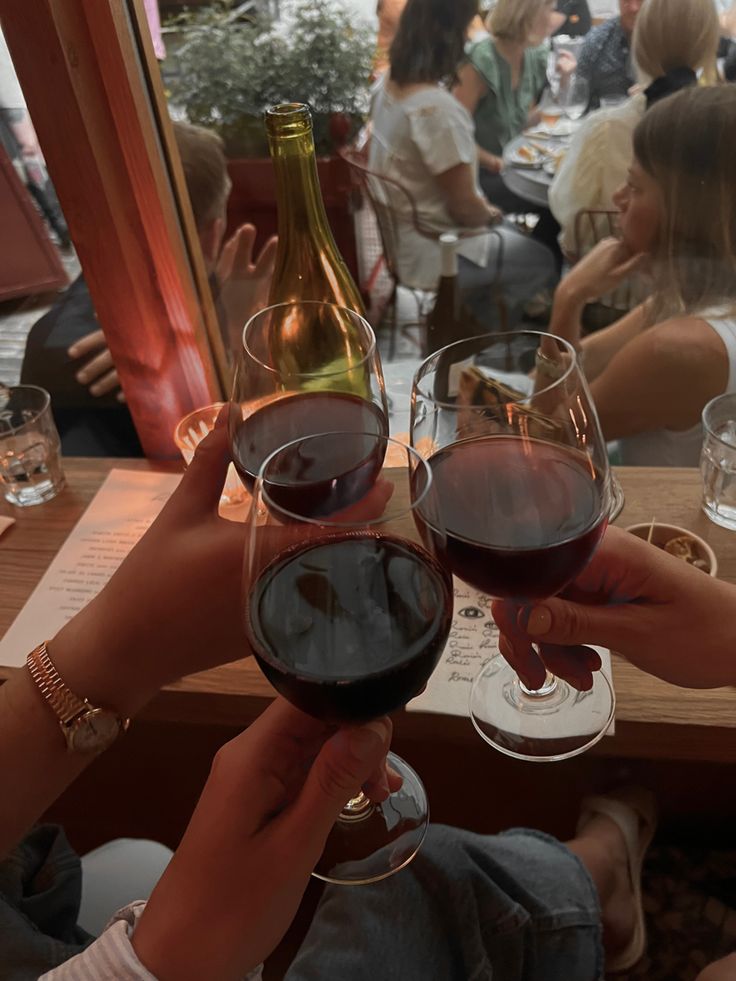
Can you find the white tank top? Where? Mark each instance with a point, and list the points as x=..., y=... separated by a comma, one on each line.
x=670, y=448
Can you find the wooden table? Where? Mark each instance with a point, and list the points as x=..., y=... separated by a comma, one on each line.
x=653, y=720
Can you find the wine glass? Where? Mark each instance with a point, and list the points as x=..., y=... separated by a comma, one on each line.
x=522, y=479
x=554, y=75
x=551, y=111
x=576, y=97
x=348, y=611
x=303, y=367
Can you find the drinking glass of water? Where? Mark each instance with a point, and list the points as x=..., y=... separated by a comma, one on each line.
x=30, y=448
x=576, y=97
x=718, y=460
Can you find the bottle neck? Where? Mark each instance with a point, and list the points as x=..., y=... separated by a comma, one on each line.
x=298, y=194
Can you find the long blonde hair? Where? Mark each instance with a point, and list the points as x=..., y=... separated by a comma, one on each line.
x=511, y=20
x=687, y=143
x=676, y=34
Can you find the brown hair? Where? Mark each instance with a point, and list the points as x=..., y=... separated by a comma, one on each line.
x=430, y=40
x=676, y=34
x=511, y=20
x=205, y=171
x=687, y=143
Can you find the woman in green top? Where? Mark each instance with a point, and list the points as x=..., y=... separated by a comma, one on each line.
x=500, y=84
x=505, y=74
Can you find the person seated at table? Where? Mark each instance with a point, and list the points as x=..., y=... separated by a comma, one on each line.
x=502, y=80
x=500, y=84
x=577, y=18
x=478, y=904
x=66, y=352
x=652, y=372
x=674, y=40
x=423, y=139
x=605, y=58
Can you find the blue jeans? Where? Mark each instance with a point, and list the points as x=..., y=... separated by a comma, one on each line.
x=518, y=268
x=513, y=907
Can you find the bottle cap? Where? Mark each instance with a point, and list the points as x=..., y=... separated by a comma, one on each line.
x=448, y=254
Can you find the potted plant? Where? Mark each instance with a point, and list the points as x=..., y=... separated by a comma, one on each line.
x=230, y=66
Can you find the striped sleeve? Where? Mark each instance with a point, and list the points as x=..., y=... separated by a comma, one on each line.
x=111, y=957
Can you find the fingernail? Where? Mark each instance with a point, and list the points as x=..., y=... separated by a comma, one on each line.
x=538, y=621
x=81, y=376
x=95, y=390
x=366, y=742
x=73, y=351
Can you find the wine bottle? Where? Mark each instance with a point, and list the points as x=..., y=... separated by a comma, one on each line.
x=444, y=320
x=308, y=264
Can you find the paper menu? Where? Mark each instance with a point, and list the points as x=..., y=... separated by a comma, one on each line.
x=473, y=642
x=123, y=508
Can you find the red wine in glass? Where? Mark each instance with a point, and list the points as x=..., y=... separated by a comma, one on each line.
x=522, y=516
x=318, y=477
x=350, y=626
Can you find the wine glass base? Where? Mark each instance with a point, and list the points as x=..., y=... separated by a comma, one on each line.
x=379, y=840
x=556, y=725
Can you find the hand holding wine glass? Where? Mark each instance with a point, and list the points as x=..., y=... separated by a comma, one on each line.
x=521, y=476
x=348, y=616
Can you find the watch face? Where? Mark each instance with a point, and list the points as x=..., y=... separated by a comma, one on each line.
x=94, y=731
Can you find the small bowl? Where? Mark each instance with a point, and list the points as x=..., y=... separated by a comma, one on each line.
x=662, y=533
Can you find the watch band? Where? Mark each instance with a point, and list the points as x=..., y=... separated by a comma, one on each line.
x=86, y=728
x=64, y=703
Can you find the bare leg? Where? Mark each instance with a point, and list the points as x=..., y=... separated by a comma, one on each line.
x=601, y=848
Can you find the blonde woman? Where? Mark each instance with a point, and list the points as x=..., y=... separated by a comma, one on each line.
x=499, y=84
x=653, y=371
x=673, y=41
x=503, y=79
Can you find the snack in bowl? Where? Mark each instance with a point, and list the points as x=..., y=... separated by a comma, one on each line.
x=680, y=542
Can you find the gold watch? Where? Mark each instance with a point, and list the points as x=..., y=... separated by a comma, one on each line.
x=86, y=728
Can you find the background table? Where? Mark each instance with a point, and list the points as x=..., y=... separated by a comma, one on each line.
x=682, y=742
x=530, y=183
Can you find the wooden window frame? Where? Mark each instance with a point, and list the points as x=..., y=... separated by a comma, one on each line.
x=93, y=89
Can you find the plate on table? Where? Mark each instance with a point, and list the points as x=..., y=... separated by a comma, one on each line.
x=552, y=163
x=526, y=155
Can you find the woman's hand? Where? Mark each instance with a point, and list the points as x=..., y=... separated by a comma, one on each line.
x=238, y=876
x=604, y=268
x=666, y=617
x=566, y=64
x=596, y=274
x=173, y=606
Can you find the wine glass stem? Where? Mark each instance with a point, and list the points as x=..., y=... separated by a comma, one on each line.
x=357, y=808
x=549, y=686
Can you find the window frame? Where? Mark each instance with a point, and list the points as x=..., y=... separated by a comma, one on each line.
x=94, y=92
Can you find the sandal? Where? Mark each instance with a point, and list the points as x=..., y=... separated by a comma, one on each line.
x=634, y=811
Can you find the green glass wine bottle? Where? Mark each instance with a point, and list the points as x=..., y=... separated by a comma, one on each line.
x=308, y=263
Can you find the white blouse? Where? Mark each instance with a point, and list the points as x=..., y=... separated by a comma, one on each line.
x=412, y=141
x=594, y=166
